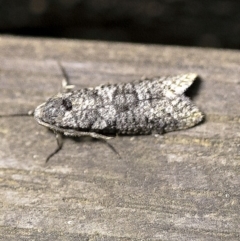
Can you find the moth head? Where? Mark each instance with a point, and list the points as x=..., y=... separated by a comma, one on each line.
x=53, y=110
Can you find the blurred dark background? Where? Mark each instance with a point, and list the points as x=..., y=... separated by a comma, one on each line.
x=208, y=23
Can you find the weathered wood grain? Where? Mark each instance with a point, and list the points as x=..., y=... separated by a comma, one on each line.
x=181, y=186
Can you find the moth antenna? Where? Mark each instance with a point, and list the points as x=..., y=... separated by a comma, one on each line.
x=66, y=86
x=30, y=113
x=59, y=139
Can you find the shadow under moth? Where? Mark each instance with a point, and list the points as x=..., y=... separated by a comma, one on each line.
x=146, y=106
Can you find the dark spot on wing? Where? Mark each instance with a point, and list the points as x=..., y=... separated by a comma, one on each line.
x=67, y=104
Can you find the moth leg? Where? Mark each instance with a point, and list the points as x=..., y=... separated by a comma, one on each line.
x=71, y=132
x=94, y=135
x=59, y=139
x=111, y=147
x=80, y=133
x=99, y=136
x=65, y=82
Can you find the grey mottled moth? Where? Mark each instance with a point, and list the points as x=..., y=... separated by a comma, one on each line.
x=155, y=105
x=147, y=106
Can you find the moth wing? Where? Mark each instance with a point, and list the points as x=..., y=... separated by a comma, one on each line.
x=177, y=85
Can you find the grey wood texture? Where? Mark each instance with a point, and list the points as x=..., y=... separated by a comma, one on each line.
x=180, y=186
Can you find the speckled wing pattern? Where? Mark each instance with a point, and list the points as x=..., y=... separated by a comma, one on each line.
x=147, y=106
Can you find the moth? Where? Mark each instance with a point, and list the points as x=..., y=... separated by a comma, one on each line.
x=151, y=105
x=147, y=106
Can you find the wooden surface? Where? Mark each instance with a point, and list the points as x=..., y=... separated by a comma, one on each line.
x=180, y=186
